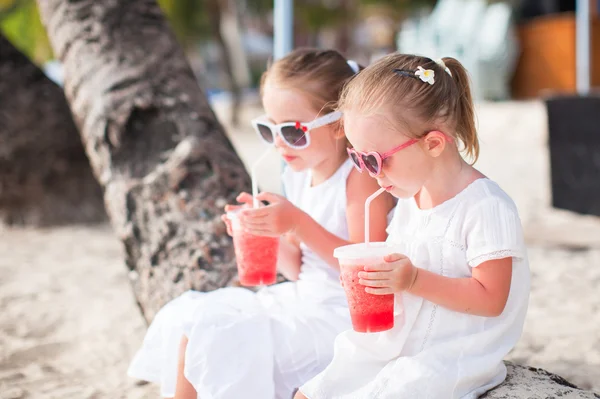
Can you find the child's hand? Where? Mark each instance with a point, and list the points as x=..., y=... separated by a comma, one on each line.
x=397, y=274
x=244, y=199
x=227, y=222
x=275, y=219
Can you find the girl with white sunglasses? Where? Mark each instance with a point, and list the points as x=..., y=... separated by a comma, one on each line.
x=234, y=343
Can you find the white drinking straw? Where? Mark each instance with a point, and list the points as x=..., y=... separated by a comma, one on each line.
x=367, y=212
x=253, y=176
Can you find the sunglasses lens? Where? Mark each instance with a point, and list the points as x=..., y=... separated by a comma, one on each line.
x=294, y=137
x=265, y=133
x=355, y=160
x=371, y=164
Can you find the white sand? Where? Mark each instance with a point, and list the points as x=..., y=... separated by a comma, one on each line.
x=69, y=324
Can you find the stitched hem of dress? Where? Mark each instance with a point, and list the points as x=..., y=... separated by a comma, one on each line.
x=504, y=253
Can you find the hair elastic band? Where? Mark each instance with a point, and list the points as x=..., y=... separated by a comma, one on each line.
x=354, y=66
x=441, y=63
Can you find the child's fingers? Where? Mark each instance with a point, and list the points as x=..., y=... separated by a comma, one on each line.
x=374, y=283
x=382, y=267
x=374, y=275
x=255, y=213
x=227, y=222
x=244, y=198
x=393, y=258
x=231, y=208
x=269, y=197
x=260, y=232
x=379, y=291
x=251, y=225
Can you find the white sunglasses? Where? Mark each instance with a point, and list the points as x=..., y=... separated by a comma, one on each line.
x=294, y=134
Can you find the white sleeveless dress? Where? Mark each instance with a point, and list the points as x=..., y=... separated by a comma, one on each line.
x=260, y=345
x=433, y=352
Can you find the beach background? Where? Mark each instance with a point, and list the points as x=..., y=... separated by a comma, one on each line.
x=69, y=323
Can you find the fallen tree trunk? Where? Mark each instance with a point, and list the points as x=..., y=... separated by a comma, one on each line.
x=154, y=144
x=45, y=176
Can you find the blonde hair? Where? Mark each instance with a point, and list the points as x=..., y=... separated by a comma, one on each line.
x=413, y=106
x=320, y=74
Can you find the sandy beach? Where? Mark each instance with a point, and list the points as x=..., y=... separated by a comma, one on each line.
x=69, y=324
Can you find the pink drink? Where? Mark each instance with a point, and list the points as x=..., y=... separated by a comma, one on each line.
x=256, y=255
x=369, y=312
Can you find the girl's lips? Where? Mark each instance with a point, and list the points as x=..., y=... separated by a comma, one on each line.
x=389, y=188
x=288, y=158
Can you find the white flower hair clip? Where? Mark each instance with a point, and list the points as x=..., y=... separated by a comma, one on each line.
x=426, y=75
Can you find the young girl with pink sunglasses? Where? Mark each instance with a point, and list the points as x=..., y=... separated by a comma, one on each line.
x=458, y=265
x=234, y=343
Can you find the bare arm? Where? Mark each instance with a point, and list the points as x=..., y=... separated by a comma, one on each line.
x=483, y=294
x=281, y=217
x=359, y=188
x=289, y=260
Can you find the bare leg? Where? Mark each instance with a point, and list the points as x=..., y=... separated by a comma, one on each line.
x=183, y=390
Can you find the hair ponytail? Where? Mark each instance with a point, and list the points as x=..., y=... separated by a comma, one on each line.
x=464, y=112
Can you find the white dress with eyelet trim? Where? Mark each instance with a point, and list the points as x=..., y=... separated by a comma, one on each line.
x=433, y=352
x=262, y=345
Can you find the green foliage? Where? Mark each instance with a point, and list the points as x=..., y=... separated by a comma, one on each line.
x=20, y=23
x=398, y=4
x=189, y=18
x=316, y=15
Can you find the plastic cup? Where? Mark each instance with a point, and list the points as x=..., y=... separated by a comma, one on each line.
x=256, y=256
x=369, y=313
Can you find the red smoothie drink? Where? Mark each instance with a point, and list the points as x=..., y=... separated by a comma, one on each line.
x=369, y=312
x=256, y=255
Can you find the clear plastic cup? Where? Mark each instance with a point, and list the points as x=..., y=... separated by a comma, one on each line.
x=256, y=256
x=369, y=312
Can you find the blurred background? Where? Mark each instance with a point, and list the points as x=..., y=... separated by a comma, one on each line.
x=68, y=315
x=524, y=48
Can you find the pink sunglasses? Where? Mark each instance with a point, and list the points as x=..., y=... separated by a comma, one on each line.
x=373, y=161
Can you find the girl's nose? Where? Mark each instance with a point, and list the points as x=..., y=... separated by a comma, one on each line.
x=278, y=141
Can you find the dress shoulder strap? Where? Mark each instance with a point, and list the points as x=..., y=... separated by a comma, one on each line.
x=345, y=170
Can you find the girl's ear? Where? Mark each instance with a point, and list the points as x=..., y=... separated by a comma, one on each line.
x=435, y=143
x=338, y=130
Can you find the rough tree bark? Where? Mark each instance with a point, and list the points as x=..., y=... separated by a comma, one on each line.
x=154, y=143
x=45, y=176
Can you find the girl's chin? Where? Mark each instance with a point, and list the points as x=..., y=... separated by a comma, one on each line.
x=296, y=164
x=401, y=194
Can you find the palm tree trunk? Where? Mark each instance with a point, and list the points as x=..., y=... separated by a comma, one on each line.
x=155, y=145
x=45, y=176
